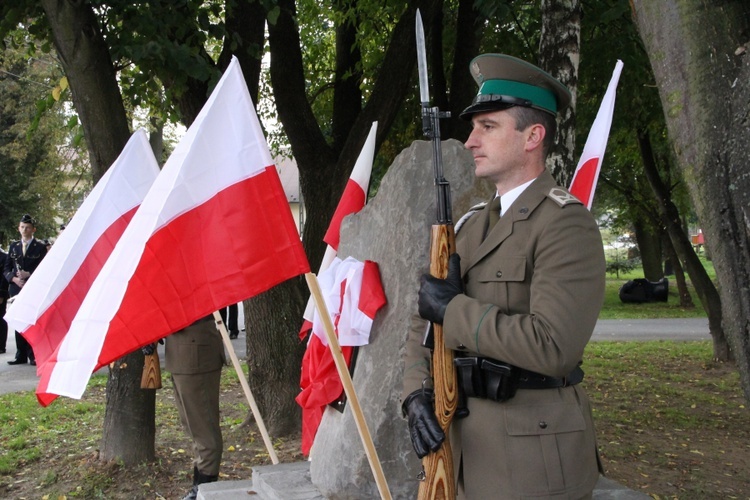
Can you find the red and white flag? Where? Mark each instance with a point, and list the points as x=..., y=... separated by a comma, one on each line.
x=214, y=229
x=353, y=294
x=353, y=199
x=586, y=175
x=47, y=304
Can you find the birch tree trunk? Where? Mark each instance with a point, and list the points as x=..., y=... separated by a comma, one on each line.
x=559, y=53
x=699, y=54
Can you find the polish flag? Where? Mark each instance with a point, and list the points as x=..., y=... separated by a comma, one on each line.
x=586, y=175
x=353, y=294
x=352, y=200
x=47, y=304
x=214, y=229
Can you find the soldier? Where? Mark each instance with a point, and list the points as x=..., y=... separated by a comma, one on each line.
x=518, y=306
x=195, y=356
x=23, y=258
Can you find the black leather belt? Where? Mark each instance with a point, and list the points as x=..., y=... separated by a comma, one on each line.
x=492, y=379
x=532, y=380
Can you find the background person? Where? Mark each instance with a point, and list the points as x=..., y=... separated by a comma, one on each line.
x=194, y=356
x=3, y=303
x=23, y=258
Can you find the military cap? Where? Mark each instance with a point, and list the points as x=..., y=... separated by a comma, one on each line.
x=27, y=219
x=506, y=81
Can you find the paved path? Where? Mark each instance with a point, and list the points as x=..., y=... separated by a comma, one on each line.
x=652, y=329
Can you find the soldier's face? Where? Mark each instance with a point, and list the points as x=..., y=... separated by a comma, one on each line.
x=27, y=230
x=496, y=145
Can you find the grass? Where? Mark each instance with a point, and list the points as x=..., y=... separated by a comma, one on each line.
x=670, y=421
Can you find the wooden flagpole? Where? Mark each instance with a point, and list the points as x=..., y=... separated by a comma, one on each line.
x=346, y=380
x=245, y=387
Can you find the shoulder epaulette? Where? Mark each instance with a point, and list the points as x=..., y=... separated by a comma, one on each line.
x=476, y=208
x=562, y=196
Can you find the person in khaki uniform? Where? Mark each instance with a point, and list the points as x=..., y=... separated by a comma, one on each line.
x=518, y=306
x=194, y=356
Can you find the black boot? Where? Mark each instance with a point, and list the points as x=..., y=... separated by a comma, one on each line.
x=198, y=478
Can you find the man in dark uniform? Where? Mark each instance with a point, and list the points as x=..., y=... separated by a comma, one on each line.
x=194, y=356
x=229, y=315
x=518, y=307
x=3, y=303
x=23, y=258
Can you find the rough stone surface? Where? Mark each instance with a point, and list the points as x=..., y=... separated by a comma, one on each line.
x=394, y=231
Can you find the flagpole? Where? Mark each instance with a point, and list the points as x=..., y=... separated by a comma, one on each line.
x=245, y=387
x=346, y=380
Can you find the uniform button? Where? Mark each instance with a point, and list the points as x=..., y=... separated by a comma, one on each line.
x=461, y=347
x=499, y=274
x=542, y=424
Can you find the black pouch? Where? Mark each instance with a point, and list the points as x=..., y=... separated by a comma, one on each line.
x=500, y=380
x=469, y=376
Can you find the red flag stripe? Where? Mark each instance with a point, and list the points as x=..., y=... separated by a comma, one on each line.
x=53, y=324
x=352, y=201
x=584, y=181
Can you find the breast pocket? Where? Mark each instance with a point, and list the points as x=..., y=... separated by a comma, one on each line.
x=500, y=280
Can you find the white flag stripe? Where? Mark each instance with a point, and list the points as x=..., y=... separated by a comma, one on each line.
x=363, y=166
x=120, y=189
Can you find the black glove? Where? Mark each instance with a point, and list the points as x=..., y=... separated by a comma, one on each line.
x=149, y=349
x=435, y=293
x=424, y=429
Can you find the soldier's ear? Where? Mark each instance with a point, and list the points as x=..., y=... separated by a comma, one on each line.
x=535, y=136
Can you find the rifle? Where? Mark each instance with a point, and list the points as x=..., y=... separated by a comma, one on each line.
x=437, y=468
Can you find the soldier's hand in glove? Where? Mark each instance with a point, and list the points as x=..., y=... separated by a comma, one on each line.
x=424, y=429
x=149, y=349
x=436, y=293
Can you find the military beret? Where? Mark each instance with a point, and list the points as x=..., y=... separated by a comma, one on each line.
x=506, y=81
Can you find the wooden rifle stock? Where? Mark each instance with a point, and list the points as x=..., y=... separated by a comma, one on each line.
x=438, y=482
x=151, y=376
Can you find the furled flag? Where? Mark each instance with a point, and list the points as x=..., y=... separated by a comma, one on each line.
x=352, y=200
x=586, y=175
x=47, y=304
x=214, y=229
x=353, y=294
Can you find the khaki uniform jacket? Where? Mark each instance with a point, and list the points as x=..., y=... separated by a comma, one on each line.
x=533, y=291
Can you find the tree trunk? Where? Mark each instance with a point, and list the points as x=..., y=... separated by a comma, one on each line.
x=275, y=354
x=649, y=246
x=96, y=96
x=559, y=52
x=704, y=287
x=91, y=75
x=462, y=85
x=129, y=430
x=686, y=300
